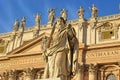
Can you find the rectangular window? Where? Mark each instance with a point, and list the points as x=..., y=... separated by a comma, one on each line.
x=108, y=35
x=2, y=49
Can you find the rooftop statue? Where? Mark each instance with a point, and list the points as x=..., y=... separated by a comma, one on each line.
x=23, y=20
x=22, y=24
x=16, y=25
x=61, y=53
x=94, y=11
x=37, y=19
x=51, y=15
x=81, y=13
x=64, y=14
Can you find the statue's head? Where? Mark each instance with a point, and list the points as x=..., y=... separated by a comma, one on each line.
x=61, y=22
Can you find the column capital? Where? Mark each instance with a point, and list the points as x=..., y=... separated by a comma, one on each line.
x=29, y=73
x=92, y=67
x=4, y=75
x=12, y=75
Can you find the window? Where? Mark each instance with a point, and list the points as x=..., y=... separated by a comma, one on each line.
x=111, y=77
x=2, y=46
x=107, y=32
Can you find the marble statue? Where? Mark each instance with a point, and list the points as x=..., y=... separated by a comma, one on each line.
x=51, y=15
x=61, y=55
x=37, y=19
x=23, y=22
x=16, y=25
x=81, y=13
x=94, y=11
x=64, y=14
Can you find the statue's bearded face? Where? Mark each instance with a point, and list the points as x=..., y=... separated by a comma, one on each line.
x=60, y=22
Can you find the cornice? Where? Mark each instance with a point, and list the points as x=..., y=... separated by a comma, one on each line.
x=103, y=45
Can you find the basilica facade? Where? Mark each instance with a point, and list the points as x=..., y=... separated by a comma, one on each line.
x=21, y=50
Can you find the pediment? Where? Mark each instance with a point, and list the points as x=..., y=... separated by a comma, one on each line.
x=33, y=46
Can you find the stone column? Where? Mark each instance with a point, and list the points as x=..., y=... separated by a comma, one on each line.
x=11, y=43
x=6, y=46
x=39, y=74
x=82, y=29
x=92, y=72
x=12, y=75
x=80, y=71
x=102, y=75
x=91, y=33
x=19, y=39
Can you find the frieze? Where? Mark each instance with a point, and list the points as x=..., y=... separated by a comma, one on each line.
x=20, y=62
x=102, y=54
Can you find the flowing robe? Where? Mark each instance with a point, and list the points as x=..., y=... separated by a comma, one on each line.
x=62, y=54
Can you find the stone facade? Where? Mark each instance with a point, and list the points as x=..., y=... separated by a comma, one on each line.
x=99, y=48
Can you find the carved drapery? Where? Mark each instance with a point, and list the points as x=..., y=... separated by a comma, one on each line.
x=44, y=43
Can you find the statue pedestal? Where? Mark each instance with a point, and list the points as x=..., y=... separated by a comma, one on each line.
x=49, y=79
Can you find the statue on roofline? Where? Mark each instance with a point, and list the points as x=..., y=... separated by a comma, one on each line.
x=37, y=19
x=22, y=24
x=16, y=25
x=94, y=11
x=81, y=13
x=51, y=15
x=64, y=14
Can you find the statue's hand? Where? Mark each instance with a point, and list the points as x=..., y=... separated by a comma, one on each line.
x=43, y=53
x=66, y=50
x=45, y=56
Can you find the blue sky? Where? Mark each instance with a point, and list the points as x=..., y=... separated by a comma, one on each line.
x=10, y=10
